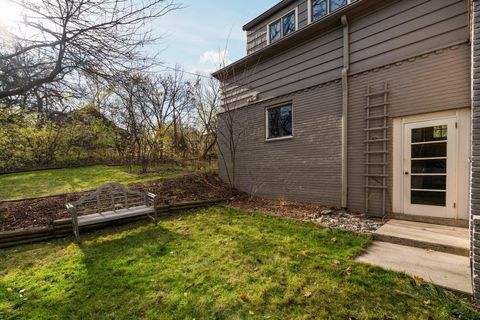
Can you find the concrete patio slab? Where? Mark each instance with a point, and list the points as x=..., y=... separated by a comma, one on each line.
x=441, y=238
x=443, y=269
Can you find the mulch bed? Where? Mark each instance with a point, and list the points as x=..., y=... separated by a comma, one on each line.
x=330, y=217
x=41, y=212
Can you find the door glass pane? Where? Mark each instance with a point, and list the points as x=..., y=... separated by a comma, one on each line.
x=436, y=133
x=429, y=150
x=429, y=198
x=429, y=166
x=429, y=182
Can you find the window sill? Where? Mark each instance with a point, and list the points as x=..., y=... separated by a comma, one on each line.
x=279, y=139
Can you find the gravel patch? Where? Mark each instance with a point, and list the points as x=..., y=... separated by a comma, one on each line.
x=347, y=221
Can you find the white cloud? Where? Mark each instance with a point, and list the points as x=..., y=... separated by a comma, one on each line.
x=215, y=58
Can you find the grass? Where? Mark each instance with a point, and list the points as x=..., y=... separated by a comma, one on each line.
x=217, y=263
x=58, y=181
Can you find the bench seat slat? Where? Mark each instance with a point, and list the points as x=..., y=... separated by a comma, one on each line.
x=114, y=215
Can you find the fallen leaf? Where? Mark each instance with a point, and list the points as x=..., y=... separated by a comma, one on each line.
x=427, y=302
x=348, y=271
x=251, y=312
x=307, y=293
x=418, y=280
x=337, y=262
x=244, y=298
x=333, y=240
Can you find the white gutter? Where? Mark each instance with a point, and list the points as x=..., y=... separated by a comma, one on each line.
x=345, y=70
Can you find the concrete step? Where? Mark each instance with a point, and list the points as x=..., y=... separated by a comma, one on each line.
x=440, y=238
x=443, y=269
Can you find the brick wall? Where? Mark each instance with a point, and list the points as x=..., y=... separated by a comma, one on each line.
x=475, y=178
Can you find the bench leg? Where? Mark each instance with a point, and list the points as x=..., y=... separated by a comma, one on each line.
x=76, y=232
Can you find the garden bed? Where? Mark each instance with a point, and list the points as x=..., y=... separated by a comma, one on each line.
x=41, y=212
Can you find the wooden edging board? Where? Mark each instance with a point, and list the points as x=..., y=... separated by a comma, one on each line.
x=63, y=228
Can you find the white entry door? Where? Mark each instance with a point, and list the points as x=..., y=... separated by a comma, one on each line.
x=430, y=168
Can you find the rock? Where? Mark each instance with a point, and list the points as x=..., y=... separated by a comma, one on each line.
x=327, y=212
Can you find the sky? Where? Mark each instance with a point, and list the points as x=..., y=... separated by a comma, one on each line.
x=196, y=37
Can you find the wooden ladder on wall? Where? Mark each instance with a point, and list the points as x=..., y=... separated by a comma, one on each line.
x=376, y=146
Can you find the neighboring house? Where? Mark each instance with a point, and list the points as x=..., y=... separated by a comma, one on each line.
x=364, y=104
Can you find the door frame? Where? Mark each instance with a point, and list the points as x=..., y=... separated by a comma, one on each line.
x=463, y=142
x=450, y=208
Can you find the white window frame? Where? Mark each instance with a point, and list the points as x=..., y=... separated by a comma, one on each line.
x=283, y=104
x=310, y=13
x=281, y=25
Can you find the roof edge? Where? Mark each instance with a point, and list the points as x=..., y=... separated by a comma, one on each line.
x=276, y=8
x=353, y=8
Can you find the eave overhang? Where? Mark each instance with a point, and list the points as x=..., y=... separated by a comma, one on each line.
x=356, y=8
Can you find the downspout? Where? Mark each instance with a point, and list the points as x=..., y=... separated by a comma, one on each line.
x=345, y=71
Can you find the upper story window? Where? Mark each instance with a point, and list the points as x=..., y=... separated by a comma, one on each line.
x=282, y=27
x=320, y=8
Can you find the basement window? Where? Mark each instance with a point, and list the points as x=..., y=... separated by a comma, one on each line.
x=279, y=122
x=282, y=27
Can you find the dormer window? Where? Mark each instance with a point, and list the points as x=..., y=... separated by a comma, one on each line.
x=337, y=4
x=282, y=27
x=289, y=24
x=275, y=31
x=320, y=8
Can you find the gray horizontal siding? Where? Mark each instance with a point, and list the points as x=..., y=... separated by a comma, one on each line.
x=406, y=28
x=305, y=168
x=435, y=82
x=398, y=30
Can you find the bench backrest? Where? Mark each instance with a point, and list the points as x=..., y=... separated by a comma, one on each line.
x=112, y=196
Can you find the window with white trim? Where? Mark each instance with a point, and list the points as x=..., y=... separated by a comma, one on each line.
x=320, y=8
x=279, y=121
x=283, y=26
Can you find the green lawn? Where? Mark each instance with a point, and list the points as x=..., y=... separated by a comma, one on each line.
x=218, y=263
x=49, y=182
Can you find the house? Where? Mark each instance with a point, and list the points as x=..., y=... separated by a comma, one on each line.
x=369, y=105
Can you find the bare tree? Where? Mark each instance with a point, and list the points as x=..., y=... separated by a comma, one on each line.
x=232, y=126
x=205, y=94
x=58, y=39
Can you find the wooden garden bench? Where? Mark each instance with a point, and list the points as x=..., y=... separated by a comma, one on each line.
x=111, y=202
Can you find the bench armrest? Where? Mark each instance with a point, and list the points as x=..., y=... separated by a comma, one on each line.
x=151, y=199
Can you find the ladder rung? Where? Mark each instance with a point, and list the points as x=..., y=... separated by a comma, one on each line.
x=376, y=129
x=376, y=152
x=376, y=175
x=375, y=187
x=377, y=140
x=376, y=94
x=375, y=163
x=376, y=105
x=377, y=117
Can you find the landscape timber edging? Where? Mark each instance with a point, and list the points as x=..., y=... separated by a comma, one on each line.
x=63, y=228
